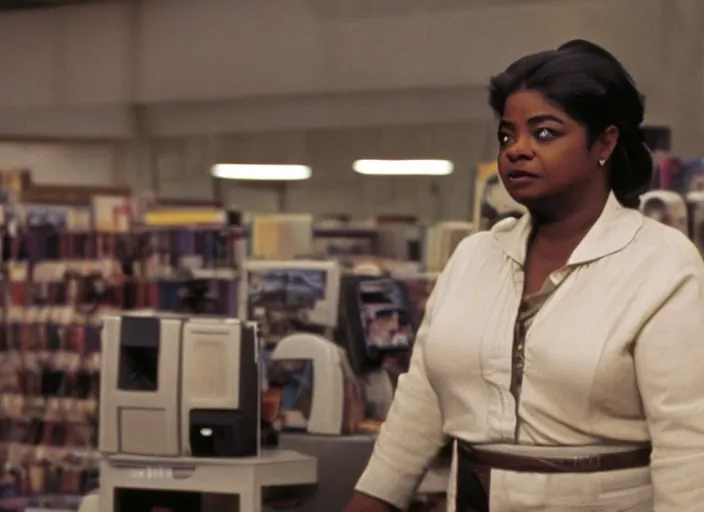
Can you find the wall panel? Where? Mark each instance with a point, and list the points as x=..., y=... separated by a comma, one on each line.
x=78, y=164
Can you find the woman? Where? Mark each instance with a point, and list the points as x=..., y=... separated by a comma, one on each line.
x=563, y=353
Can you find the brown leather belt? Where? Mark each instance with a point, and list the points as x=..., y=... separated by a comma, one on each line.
x=615, y=461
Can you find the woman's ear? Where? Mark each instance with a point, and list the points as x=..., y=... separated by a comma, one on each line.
x=606, y=143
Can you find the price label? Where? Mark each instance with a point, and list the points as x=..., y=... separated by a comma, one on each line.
x=152, y=473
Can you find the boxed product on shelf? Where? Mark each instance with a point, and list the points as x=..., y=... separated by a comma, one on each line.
x=281, y=237
x=185, y=268
x=344, y=241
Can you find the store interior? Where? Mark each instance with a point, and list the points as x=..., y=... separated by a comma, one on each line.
x=217, y=247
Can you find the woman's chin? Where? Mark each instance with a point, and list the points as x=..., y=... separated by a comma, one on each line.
x=527, y=197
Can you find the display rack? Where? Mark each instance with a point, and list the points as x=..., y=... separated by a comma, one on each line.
x=49, y=362
x=59, y=278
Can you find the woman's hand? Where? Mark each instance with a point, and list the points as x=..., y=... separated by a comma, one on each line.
x=362, y=503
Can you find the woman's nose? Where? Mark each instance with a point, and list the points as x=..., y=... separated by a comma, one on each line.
x=521, y=149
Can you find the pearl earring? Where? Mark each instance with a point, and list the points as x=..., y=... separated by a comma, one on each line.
x=602, y=162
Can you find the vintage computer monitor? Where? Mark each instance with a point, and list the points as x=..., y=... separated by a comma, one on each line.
x=315, y=386
x=285, y=297
x=178, y=386
x=377, y=329
x=376, y=320
x=295, y=304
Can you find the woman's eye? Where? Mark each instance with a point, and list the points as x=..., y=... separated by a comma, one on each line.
x=546, y=134
x=504, y=138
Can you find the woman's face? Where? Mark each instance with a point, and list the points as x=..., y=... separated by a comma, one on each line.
x=544, y=154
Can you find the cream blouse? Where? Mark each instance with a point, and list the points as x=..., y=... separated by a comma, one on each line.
x=615, y=356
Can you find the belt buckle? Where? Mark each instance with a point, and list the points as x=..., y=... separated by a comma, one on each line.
x=587, y=463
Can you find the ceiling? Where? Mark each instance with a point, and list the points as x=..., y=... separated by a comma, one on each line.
x=11, y=5
x=335, y=9
x=348, y=10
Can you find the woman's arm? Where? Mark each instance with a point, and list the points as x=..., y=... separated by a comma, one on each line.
x=669, y=358
x=410, y=437
x=363, y=503
x=412, y=434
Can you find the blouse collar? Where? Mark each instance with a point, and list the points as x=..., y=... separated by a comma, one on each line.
x=613, y=230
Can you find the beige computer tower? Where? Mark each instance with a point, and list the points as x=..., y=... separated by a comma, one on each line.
x=221, y=388
x=140, y=382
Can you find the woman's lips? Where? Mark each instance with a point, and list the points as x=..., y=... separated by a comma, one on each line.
x=521, y=177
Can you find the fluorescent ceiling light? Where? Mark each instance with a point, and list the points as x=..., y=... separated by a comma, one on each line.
x=261, y=172
x=404, y=167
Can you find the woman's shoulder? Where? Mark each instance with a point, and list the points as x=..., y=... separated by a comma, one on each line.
x=474, y=251
x=470, y=242
x=667, y=247
x=473, y=247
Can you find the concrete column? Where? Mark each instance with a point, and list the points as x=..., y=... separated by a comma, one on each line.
x=139, y=168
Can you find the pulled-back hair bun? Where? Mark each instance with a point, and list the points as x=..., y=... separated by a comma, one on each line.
x=594, y=88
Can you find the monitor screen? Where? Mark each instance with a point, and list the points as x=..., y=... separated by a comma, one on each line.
x=291, y=391
x=283, y=301
x=287, y=287
x=385, y=315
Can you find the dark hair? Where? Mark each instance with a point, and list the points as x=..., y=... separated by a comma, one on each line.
x=593, y=87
